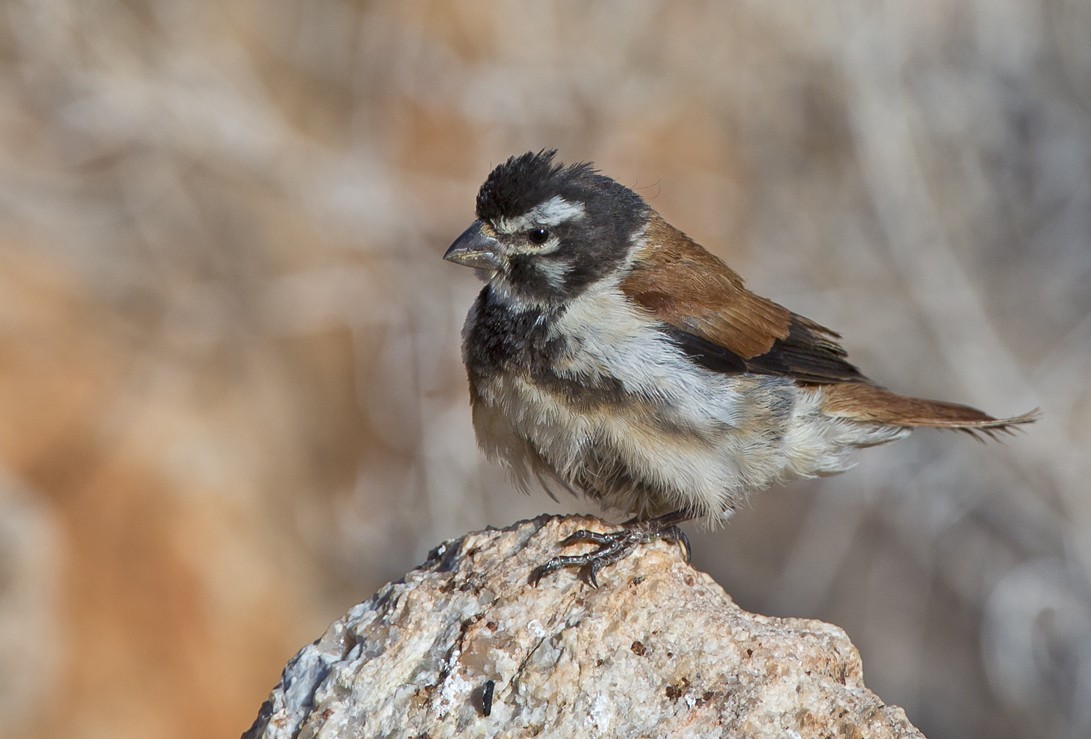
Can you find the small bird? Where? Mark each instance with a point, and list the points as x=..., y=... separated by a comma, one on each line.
x=611, y=355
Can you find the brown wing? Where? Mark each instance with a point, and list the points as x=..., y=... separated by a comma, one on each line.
x=725, y=327
x=720, y=323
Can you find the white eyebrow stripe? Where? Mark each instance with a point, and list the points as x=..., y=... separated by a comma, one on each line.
x=557, y=210
x=552, y=212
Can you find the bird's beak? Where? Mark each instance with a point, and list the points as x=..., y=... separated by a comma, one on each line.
x=474, y=249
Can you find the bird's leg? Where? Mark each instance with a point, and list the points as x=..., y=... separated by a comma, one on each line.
x=614, y=546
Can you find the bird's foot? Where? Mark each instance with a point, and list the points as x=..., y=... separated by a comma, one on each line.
x=614, y=546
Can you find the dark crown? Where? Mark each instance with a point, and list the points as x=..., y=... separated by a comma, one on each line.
x=522, y=182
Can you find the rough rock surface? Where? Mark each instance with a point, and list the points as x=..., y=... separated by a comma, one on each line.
x=658, y=650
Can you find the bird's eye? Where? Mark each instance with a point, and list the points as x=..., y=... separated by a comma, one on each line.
x=537, y=236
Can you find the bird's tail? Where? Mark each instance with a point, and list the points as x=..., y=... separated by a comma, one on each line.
x=860, y=401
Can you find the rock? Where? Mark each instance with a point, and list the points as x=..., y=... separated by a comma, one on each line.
x=464, y=646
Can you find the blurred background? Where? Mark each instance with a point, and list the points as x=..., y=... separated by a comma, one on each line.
x=231, y=399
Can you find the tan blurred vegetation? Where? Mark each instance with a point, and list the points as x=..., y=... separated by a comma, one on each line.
x=231, y=402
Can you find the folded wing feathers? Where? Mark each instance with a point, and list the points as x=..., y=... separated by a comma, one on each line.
x=693, y=291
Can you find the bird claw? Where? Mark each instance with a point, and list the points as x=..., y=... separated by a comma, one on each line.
x=582, y=535
x=613, y=546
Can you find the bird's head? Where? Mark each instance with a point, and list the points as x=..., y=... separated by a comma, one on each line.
x=546, y=231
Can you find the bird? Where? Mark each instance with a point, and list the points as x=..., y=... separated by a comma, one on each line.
x=611, y=355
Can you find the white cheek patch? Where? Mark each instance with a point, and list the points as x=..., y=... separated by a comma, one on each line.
x=552, y=212
x=555, y=272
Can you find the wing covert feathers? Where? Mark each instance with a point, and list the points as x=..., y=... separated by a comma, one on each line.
x=692, y=290
x=695, y=293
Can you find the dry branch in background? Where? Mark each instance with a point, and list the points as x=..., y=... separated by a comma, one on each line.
x=463, y=645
